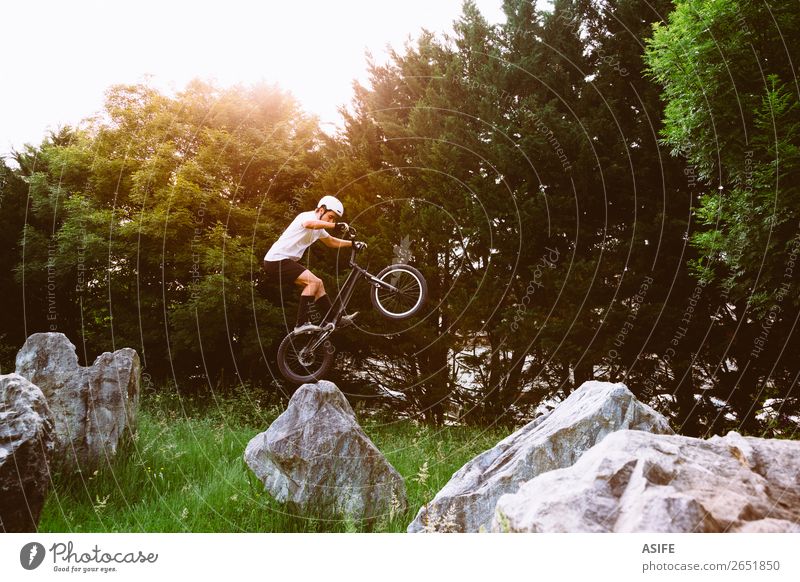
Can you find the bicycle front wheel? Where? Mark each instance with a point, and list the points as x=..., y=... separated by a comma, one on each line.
x=301, y=361
x=408, y=294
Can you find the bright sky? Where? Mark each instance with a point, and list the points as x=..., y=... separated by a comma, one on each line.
x=59, y=56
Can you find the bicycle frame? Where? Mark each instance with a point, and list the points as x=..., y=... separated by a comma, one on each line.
x=345, y=294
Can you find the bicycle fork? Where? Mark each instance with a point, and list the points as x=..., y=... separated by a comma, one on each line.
x=377, y=283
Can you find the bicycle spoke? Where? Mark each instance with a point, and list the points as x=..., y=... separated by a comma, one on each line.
x=299, y=359
x=406, y=295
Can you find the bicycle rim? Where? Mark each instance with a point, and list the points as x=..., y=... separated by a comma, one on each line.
x=299, y=363
x=408, y=296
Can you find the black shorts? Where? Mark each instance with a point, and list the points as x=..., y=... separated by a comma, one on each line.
x=284, y=271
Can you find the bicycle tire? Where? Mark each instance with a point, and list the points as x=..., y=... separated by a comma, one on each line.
x=301, y=368
x=414, y=292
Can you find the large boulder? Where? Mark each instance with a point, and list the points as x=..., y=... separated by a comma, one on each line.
x=596, y=409
x=639, y=482
x=317, y=459
x=26, y=444
x=92, y=406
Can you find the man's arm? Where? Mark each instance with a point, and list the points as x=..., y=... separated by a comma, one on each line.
x=317, y=224
x=336, y=243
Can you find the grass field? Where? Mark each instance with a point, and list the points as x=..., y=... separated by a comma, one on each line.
x=184, y=472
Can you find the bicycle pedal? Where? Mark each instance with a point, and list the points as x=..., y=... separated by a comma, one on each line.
x=306, y=328
x=348, y=320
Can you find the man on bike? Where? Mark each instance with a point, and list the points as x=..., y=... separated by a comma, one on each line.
x=281, y=260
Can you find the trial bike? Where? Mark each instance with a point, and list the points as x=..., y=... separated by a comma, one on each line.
x=397, y=292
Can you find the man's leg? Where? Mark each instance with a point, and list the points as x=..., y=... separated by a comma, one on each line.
x=324, y=306
x=313, y=289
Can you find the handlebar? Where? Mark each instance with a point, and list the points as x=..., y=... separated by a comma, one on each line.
x=349, y=231
x=350, y=234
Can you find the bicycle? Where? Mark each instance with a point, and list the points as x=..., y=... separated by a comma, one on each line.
x=398, y=292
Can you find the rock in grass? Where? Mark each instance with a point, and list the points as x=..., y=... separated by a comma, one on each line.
x=93, y=407
x=596, y=409
x=638, y=482
x=316, y=459
x=26, y=444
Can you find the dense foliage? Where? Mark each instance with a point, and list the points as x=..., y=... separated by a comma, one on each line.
x=598, y=190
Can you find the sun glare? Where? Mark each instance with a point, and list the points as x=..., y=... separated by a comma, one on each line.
x=62, y=56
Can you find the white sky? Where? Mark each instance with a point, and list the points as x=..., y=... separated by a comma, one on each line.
x=59, y=56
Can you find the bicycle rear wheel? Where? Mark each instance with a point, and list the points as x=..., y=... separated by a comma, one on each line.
x=409, y=294
x=299, y=361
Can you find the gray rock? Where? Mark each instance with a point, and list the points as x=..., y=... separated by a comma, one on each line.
x=26, y=444
x=638, y=482
x=92, y=406
x=596, y=409
x=317, y=459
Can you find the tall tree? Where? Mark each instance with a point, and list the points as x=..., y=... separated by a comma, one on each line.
x=148, y=229
x=13, y=204
x=732, y=110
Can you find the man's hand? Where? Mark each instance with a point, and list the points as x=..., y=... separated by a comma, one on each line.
x=359, y=246
x=343, y=226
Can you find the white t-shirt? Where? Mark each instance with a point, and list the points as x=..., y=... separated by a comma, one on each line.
x=296, y=239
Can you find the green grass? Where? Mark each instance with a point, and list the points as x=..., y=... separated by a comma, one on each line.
x=184, y=472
